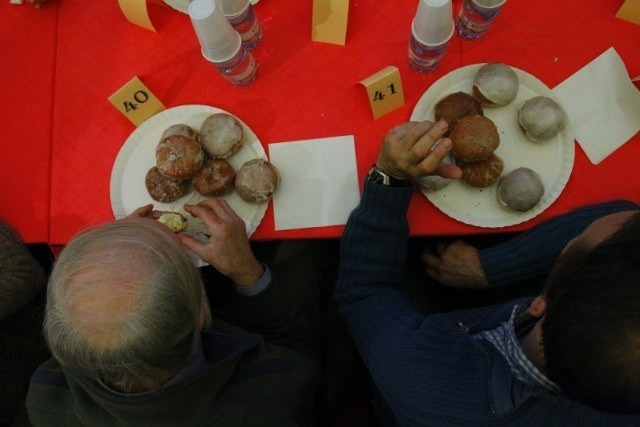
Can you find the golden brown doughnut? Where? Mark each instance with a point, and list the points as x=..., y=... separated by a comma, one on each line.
x=483, y=173
x=257, y=180
x=215, y=178
x=221, y=135
x=455, y=106
x=179, y=157
x=163, y=189
x=474, y=138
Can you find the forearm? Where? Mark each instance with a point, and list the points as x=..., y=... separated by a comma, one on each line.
x=533, y=252
x=373, y=246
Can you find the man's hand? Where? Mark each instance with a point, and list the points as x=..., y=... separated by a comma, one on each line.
x=416, y=149
x=456, y=265
x=145, y=211
x=228, y=247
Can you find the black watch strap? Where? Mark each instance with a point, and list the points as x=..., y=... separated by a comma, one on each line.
x=381, y=178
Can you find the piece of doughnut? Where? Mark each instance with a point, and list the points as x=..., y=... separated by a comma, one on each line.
x=495, y=84
x=541, y=118
x=163, y=189
x=481, y=174
x=221, y=135
x=174, y=220
x=257, y=180
x=180, y=129
x=179, y=157
x=215, y=178
x=455, y=106
x=521, y=189
x=474, y=138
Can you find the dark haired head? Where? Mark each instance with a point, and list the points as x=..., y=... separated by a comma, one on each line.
x=591, y=329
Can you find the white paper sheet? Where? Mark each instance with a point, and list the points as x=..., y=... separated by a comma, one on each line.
x=603, y=105
x=319, y=185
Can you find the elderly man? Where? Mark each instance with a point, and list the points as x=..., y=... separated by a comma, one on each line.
x=567, y=357
x=134, y=342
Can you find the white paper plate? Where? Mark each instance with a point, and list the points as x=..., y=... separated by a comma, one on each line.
x=552, y=159
x=183, y=5
x=137, y=156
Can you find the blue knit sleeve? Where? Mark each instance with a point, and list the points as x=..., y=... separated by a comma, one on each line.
x=533, y=252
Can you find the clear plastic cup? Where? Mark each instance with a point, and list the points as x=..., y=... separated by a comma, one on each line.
x=244, y=20
x=431, y=31
x=221, y=44
x=476, y=16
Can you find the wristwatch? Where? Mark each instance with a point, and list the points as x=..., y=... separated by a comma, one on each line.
x=381, y=178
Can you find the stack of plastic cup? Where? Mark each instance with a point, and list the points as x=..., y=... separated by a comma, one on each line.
x=430, y=33
x=475, y=17
x=243, y=18
x=221, y=44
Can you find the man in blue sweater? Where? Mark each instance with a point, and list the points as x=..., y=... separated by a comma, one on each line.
x=568, y=357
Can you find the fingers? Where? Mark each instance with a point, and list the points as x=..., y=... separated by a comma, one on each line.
x=424, y=145
x=142, y=211
x=193, y=244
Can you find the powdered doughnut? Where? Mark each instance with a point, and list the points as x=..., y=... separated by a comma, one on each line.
x=257, y=180
x=221, y=135
x=541, y=118
x=495, y=84
x=483, y=173
x=455, y=106
x=163, y=189
x=521, y=189
x=180, y=129
x=179, y=157
x=474, y=138
x=215, y=178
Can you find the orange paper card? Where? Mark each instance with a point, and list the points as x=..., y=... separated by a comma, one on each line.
x=136, y=101
x=137, y=13
x=384, y=89
x=330, y=21
x=630, y=11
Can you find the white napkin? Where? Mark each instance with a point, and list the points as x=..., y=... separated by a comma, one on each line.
x=602, y=104
x=319, y=184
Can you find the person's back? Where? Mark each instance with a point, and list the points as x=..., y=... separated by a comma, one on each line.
x=133, y=341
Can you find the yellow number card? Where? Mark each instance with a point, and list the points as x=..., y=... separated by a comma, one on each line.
x=630, y=11
x=384, y=89
x=137, y=13
x=136, y=101
x=330, y=21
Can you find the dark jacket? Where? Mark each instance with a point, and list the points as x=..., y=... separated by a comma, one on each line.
x=430, y=370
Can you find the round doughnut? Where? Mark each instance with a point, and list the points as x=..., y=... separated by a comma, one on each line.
x=163, y=189
x=483, y=173
x=221, y=135
x=179, y=157
x=521, y=189
x=474, y=138
x=541, y=118
x=215, y=178
x=455, y=106
x=495, y=84
x=257, y=180
x=180, y=129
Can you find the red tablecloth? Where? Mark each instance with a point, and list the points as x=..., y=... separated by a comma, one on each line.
x=27, y=44
x=304, y=90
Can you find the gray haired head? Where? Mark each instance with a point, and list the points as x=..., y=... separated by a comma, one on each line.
x=124, y=303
